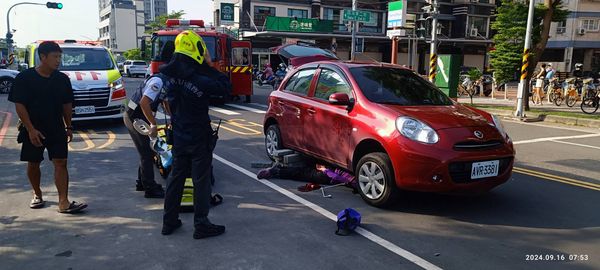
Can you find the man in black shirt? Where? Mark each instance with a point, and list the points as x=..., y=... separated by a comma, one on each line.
x=43, y=98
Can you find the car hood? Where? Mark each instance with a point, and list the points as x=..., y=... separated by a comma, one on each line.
x=8, y=72
x=442, y=117
x=84, y=80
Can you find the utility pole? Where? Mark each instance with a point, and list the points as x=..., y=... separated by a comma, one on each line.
x=353, y=23
x=524, y=72
x=433, y=51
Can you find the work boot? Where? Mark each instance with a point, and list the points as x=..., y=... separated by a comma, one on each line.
x=169, y=229
x=208, y=230
x=156, y=192
x=139, y=186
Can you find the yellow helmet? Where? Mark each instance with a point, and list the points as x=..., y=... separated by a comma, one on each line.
x=191, y=44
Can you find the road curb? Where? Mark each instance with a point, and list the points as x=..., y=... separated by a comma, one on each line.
x=535, y=117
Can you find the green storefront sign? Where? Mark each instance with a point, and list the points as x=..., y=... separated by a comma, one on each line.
x=285, y=24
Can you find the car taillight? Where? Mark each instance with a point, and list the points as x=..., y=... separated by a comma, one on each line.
x=119, y=94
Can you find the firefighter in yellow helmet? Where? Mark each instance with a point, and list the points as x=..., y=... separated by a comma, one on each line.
x=191, y=83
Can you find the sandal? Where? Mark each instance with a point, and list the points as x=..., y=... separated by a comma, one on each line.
x=216, y=199
x=309, y=187
x=36, y=203
x=74, y=207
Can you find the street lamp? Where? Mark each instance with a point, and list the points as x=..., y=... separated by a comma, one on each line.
x=9, y=35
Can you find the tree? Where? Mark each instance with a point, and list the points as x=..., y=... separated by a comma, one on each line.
x=160, y=21
x=511, y=26
x=133, y=54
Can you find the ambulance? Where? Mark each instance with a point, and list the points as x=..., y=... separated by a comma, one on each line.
x=97, y=83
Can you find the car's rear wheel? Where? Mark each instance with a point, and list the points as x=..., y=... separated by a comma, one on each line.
x=5, y=85
x=272, y=140
x=376, y=183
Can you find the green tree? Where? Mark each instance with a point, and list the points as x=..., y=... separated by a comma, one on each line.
x=133, y=54
x=160, y=21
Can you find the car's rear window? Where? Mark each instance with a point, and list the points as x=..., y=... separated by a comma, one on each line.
x=139, y=63
x=386, y=85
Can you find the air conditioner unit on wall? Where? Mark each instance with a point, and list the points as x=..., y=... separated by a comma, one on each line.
x=474, y=32
x=581, y=31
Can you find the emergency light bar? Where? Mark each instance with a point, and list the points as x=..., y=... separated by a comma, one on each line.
x=175, y=22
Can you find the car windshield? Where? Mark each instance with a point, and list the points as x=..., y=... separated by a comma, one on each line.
x=84, y=59
x=159, y=41
x=386, y=85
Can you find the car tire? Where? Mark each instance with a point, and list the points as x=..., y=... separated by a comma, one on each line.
x=375, y=169
x=272, y=140
x=5, y=85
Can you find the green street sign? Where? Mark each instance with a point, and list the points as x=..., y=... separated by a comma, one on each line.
x=356, y=15
x=227, y=12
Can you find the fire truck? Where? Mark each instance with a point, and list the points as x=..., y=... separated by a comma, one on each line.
x=230, y=56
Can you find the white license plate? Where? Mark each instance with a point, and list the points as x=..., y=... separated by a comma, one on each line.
x=85, y=110
x=485, y=169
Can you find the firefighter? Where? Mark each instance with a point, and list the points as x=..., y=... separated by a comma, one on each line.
x=191, y=83
x=142, y=105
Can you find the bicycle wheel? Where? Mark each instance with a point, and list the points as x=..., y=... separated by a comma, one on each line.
x=571, y=100
x=558, y=99
x=551, y=96
x=590, y=105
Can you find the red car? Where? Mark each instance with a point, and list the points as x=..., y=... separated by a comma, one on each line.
x=390, y=127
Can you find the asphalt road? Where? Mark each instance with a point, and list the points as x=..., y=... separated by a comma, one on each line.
x=549, y=209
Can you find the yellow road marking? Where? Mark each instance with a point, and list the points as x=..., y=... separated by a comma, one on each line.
x=109, y=141
x=557, y=178
x=241, y=127
x=90, y=144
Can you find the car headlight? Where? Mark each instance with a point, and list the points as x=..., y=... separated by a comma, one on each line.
x=416, y=130
x=117, y=84
x=499, y=126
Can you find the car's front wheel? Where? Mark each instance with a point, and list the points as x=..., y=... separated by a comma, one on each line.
x=272, y=140
x=376, y=182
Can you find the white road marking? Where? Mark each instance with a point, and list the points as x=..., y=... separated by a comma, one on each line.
x=577, y=144
x=246, y=108
x=367, y=234
x=224, y=111
x=260, y=105
x=557, y=138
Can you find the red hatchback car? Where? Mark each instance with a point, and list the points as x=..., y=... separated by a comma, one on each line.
x=390, y=127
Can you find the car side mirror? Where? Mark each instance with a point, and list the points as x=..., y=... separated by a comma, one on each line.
x=340, y=99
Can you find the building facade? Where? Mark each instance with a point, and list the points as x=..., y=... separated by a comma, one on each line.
x=464, y=28
x=153, y=9
x=577, y=39
x=121, y=24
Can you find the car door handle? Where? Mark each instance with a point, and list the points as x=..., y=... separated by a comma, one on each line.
x=311, y=111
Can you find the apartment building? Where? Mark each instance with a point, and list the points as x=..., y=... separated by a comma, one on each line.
x=121, y=24
x=464, y=28
x=153, y=9
x=577, y=39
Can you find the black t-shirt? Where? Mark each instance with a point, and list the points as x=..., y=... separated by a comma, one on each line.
x=44, y=98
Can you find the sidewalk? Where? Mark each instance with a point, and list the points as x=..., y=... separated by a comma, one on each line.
x=540, y=113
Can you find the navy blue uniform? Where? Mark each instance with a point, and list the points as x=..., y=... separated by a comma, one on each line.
x=188, y=94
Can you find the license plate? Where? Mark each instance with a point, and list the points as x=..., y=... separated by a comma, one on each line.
x=485, y=169
x=85, y=110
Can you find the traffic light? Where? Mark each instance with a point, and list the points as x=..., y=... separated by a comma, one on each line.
x=54, y=5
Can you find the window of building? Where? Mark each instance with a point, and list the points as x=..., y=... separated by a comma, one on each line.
x=298, y=13
x=261, y=13
x=479, y=23
x=334, y=15
x=590, y=25
x=561, y=27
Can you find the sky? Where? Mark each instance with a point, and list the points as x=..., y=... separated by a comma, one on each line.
x=77, y=20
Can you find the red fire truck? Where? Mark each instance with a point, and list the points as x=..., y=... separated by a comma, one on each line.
x=230, y=56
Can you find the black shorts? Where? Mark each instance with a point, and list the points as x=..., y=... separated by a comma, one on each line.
x=31, y=153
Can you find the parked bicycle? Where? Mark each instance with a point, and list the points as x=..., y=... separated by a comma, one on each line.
x=591, y=99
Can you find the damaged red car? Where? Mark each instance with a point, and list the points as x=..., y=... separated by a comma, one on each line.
x=390, y=127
